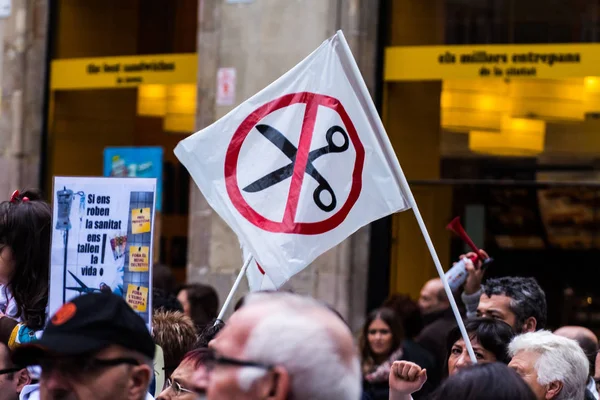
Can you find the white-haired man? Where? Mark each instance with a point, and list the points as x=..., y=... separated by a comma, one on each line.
x=283, y=346
x=553, y=366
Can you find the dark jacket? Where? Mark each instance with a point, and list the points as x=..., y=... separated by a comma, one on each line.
x=433, y=339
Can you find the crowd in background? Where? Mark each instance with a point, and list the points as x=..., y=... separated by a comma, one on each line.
x=276, y=345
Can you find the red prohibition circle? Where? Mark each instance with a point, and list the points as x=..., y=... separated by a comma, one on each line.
x=288, y=225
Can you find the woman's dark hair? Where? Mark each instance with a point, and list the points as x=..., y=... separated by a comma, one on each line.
x=391, y=319
x=25, y=228
x=408, y=311
x=492, y=334
x=204, y=303
x=489, y=381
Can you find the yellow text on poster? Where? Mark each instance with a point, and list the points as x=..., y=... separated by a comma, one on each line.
x=140, y=220
x=137, y=297
x=138, y=258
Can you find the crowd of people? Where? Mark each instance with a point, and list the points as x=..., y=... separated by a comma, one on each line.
x=276, y=345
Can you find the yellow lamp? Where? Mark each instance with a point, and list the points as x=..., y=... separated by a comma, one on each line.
x=547, y=99
x=473, y=104
x=518, y=137
x=591, y=94
x=152, y=100
x=181, y=108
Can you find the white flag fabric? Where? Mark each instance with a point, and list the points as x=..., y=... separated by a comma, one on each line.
x=256, y=275
x=301, y=165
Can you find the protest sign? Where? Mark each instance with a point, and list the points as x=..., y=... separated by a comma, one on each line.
x=102, y=240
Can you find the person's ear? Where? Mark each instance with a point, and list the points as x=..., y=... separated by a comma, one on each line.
x=139, y=381
x=280, y=384
x=22, y=379
x=530, y=325
x=553, y=389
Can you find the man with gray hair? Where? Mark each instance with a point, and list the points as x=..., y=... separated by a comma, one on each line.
x=553, y=366
x=284, y=346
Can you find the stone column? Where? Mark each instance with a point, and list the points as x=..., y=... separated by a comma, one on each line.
x=23, y=77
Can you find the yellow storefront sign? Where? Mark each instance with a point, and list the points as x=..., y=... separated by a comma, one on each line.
x=546, y=61
x=126, y=72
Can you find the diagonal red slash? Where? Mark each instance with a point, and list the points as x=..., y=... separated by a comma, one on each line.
x=308, y=127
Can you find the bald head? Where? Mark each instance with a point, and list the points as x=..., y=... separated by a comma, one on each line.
x=433, y=297
x=586, y=339
x=577, y=332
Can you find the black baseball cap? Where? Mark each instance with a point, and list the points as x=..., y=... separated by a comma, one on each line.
x=88, y=324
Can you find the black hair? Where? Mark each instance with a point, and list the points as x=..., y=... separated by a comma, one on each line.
x=492, y=334
x=527, y=299
x=388, y=316
x=25, y=228
x=164, y=301
x=489, y=381
x=204, y=303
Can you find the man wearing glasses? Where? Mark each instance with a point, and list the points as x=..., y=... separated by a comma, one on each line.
x=94, y=348
x=13, y=380
x=281, y=346
x=190, y=379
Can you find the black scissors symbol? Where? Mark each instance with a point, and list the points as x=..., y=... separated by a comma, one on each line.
x=287, y=148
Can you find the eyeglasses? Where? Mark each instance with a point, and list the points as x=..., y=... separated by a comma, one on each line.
x=178, y=389
x=10, y=370
x=214, y=359
x=79, y=366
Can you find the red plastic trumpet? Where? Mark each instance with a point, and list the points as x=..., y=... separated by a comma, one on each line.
x=457, y=275
x=456, y=227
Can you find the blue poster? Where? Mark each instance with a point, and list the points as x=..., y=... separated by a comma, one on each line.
x=136, y=162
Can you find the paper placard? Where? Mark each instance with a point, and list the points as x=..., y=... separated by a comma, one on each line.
x=140, y=220
x=93, y=240
x=137, y=297
x=138, y=258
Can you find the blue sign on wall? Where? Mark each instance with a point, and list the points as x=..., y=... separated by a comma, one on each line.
x=136, y=162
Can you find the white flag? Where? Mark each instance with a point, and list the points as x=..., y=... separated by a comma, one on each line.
x=256, y=275
x=301, y=165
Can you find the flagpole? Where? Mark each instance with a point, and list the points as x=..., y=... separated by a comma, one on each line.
x=397, y=169
x=234, y=288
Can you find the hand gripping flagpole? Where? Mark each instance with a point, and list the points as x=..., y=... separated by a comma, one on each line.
x=377, y=125
x=234, y=288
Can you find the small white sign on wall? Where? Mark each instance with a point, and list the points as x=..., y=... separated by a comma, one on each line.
x=5, y=8
x=226, y=86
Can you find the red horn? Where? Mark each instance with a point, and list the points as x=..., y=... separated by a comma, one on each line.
x=457, y=228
